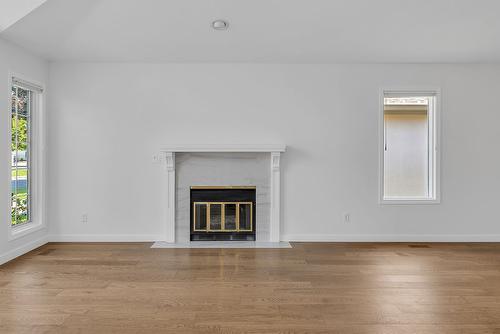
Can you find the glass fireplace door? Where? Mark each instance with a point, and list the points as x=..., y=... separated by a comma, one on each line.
x=222, y=216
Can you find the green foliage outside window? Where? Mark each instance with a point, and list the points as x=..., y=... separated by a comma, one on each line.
x=19, y=147
x=19, y=128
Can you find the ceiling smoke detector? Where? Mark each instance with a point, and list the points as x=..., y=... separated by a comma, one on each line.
x=220, y=25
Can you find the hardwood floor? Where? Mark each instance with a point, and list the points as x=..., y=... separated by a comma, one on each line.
x=311, y=288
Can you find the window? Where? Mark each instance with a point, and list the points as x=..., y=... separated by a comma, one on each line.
x=409, y=158
x=25, y=158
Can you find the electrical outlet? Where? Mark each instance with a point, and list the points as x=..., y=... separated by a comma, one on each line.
x=85, y=218
x=347, y=217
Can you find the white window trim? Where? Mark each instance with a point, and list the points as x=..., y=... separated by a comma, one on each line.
x=38, y=119
x=413, y=91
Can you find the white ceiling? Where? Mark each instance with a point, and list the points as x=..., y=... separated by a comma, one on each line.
x=275, y=31
x=13, y=10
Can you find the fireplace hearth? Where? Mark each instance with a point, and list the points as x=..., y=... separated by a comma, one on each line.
x=221, y=213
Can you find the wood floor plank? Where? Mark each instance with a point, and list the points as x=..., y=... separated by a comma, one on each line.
x=310, y=288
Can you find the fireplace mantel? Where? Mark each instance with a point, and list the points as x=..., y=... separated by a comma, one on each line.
x=275, y=150
x=238, y=148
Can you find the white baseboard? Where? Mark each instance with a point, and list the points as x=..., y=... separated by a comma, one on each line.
x=11, y=255
x=105, y=238
x=391, y=237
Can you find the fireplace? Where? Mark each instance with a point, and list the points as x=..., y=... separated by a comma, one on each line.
x=222, y=213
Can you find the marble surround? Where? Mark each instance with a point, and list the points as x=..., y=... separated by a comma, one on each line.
x=242, y=165
x=222, y=169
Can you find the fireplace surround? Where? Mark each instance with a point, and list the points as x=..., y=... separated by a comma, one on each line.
x=221, y=213
x=168, y=158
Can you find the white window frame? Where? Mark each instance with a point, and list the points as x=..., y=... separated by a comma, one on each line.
x=435, y=157
x=38, y=117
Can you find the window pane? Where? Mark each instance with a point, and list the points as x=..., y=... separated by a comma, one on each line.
x=20, y=160
x=406, y=148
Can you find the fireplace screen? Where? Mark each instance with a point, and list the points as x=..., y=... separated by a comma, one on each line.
x=222, y=216
x=223, y=213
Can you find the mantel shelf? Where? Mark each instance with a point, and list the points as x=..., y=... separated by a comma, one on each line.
x=226, y=148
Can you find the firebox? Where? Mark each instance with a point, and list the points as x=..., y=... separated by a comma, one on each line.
x=223, y=213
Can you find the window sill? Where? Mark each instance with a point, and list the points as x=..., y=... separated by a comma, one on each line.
x=409, y=201
x=21, y=231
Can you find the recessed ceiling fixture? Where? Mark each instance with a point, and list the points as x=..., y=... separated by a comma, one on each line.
x=220, y=25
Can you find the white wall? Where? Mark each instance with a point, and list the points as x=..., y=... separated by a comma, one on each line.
x=107, y=121
x=14, y=60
